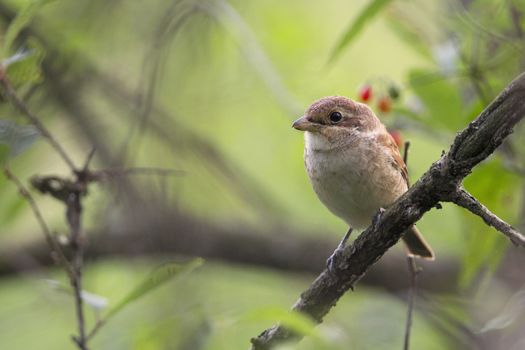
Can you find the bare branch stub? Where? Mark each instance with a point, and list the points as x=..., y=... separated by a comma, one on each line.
x=440, y=183
x=467, y=201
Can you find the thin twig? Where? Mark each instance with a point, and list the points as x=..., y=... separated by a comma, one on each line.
x=88, y=159
x=57, y=253
x=74, y=214
x=70, y=192
x=12, y=96
x=405, y=153
x=414, y=271
x=467, y=201
x=95, y=328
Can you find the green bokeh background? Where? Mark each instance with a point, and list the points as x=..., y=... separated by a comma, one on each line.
x=239, y=84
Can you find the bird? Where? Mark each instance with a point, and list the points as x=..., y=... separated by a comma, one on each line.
x=354, y=166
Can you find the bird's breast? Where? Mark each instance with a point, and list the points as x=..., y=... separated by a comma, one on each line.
x=353, y=182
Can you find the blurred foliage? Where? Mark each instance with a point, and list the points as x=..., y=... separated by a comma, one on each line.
x=369, y=12
x=156, y=278
x=211, y=87
x=16, y=138
x=23, y=68
x=220, y=303
x=23, y=18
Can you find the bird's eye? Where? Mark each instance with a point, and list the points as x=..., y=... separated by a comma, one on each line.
x=336, y=117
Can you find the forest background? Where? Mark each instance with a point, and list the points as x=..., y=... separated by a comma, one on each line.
x=188, y=105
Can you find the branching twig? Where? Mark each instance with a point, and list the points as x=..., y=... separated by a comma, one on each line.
x=467, y=201
x=70, y=192
x=71, y=199
x=85, y=168
x=440, y=183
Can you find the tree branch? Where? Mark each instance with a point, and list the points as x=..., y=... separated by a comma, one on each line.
x=467, y=201
x=440, y=183
x=159, y=230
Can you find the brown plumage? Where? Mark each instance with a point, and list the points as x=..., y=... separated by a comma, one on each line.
x=354, y=164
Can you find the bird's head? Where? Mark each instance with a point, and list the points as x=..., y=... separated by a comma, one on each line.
x=334, y=115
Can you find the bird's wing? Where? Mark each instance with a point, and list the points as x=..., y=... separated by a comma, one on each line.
x=397, y=162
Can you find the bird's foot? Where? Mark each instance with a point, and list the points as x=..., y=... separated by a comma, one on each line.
x=377, y=217
x=331, y=261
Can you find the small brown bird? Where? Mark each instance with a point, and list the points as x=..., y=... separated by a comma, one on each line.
x=354, y=165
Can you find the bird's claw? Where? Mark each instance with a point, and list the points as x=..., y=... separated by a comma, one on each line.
x=331, y=261
x=377, y=217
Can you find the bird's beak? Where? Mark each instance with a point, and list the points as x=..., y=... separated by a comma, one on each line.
x=304, y=124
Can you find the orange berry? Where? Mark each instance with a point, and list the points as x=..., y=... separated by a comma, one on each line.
x=384, y=104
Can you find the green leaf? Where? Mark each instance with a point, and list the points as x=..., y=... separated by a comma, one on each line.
x=156, y=278
x=17, y=137
x=367, y=14
x=26, y=67
x=22, y=20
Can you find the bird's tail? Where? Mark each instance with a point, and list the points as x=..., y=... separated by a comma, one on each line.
x=416, y=244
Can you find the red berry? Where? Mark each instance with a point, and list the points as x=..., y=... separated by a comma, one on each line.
x=365, y=94
x=398, y=138
x=384, y=104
